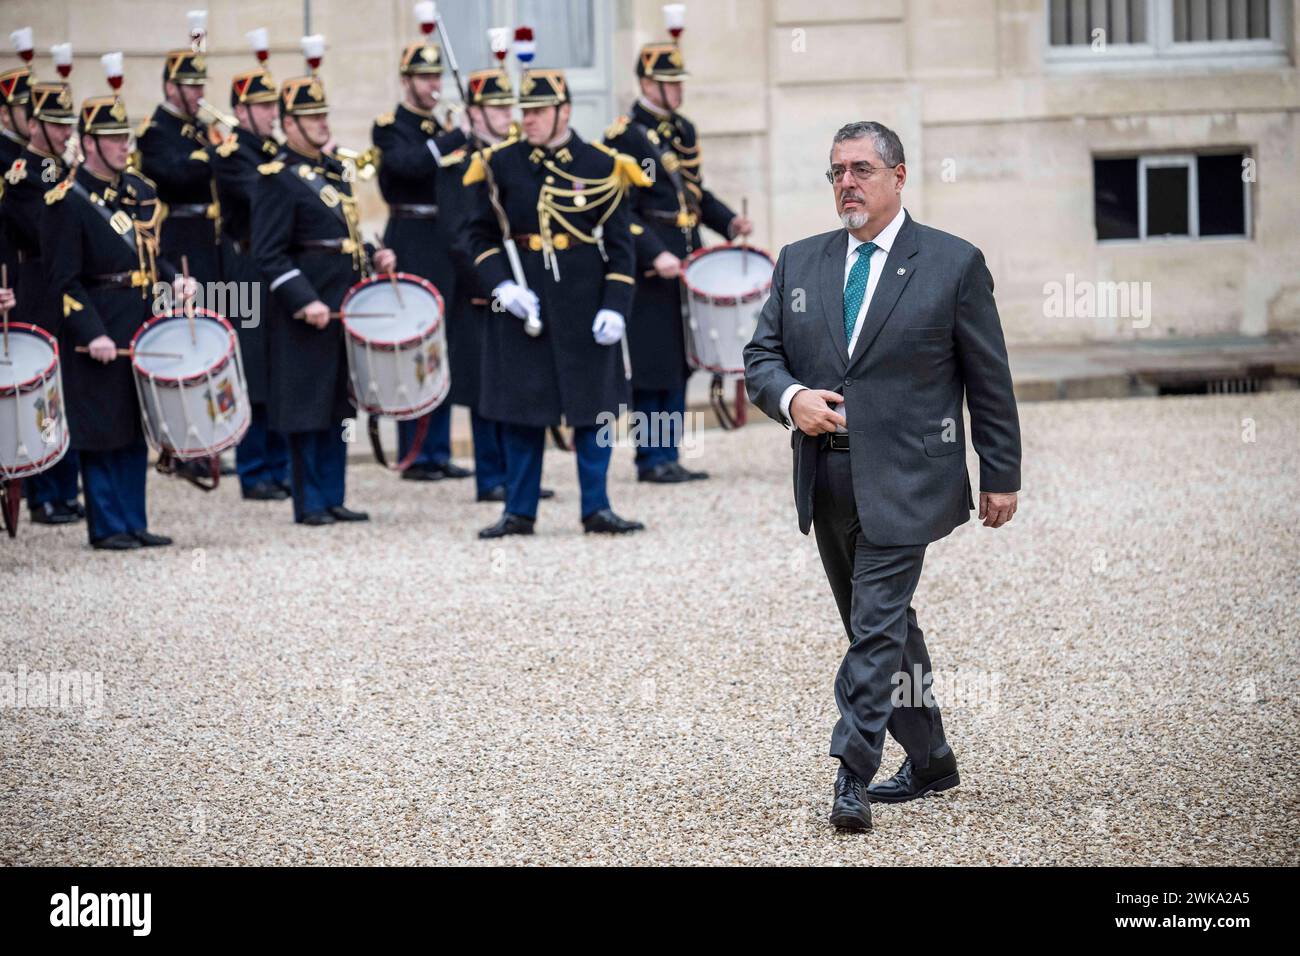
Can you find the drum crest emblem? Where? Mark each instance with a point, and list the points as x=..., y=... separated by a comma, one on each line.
x=221, y=407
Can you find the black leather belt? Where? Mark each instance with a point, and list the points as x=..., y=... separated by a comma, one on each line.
x=116, y=280
x=325, y=245
x=836, y=441
x=412, y=211
x=200, y=210
x=687, y=220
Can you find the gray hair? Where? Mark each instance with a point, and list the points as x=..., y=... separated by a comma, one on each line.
x=888, y=146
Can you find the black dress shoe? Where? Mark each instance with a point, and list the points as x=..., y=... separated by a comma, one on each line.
x=850, y=811
x=76, y=507
x=690, y=475
x=50, y=513
x=451, y=470
x=499, y=494
x=605, y=521
x=910, y=783
x=316, y=519
x=152, y=540
x=422, y=473
x=663, y=474
x=265, y=491
x=509, y=524
x=285, y=487
x=347, y=514
x=117, y=542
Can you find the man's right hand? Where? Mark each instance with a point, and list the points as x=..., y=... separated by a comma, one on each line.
x=812, y=415
x=516, y=300
x=102, y=349
x=315, y=314
x=667, y=265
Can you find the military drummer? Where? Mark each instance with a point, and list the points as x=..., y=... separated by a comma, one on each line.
x=307, y=242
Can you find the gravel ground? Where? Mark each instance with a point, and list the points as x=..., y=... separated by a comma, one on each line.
x=1121, y=667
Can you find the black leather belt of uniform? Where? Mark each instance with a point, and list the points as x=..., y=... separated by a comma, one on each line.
x=325, y=245
x=532, y=240
x=670, y=218
x=836, y=441
x=412, y=211
x=198, y=210
x=115, y=280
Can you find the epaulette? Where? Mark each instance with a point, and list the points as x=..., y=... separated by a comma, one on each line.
x=475, y=172
x=144, y=179
x=17, y=172
x=385, y=119
x=201, y=155
x=454, y=158
x=143, y=127
x=618, y=127
x=271, y=168
x=227, y=147
x=626, y=167
x=57, y=191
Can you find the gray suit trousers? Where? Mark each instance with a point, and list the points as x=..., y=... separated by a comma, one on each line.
x=873, y=587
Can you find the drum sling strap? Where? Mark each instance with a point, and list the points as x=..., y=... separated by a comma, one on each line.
x=421, y=432
x=106, y=214
x=10, y=498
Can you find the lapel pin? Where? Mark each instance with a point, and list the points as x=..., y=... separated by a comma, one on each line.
x=902, y=271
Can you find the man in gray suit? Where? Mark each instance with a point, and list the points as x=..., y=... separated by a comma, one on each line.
x=871, y=338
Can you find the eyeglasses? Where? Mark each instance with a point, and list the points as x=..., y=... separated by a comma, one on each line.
x=861, y=172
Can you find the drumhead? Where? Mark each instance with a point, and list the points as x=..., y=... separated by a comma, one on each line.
x=171, y=334
x=419, y=311
x=729, y=272
x=31, y=356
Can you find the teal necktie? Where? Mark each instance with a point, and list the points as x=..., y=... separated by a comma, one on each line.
x=855, y=290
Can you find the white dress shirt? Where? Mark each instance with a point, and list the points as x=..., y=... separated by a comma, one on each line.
x=884, y=242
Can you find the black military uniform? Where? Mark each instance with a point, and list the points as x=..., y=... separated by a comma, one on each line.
x=306, y=241
x=262, y=457
x=99, y=243
x=567, y=215
x=467, y=307
x=666, y=218
x=411, y=143
x=52, y=494
x=176, y=153
x=15, y=94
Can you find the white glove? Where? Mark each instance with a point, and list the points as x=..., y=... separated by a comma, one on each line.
x=608, y=327
x=517, y=300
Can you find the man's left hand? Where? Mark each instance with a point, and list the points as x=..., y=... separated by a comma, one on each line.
x=385, y=260
x=997, y=509
x=740, y=226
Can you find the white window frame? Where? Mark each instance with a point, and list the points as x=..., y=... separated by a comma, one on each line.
x=1169, y=161
x=1162, y=53
x=1147, y=161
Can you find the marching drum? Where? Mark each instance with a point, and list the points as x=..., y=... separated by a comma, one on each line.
x=726, y=287
x=397, y=346
x=33, y=431
x=190, y=379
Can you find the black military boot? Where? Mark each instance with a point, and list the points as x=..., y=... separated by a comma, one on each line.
x=509, y=524
x=850, y=811
x=605, y=521
x=910, y=783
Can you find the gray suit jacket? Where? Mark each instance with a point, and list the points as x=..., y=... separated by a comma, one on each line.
x=931, y=334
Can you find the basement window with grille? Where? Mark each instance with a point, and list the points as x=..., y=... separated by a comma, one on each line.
x=1172, y=196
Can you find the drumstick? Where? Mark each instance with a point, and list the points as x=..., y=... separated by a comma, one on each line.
x=4, y=284
x=126, y=353
x=189, y=304
x=363, y=315
x=392, y=277
x=744, y=240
